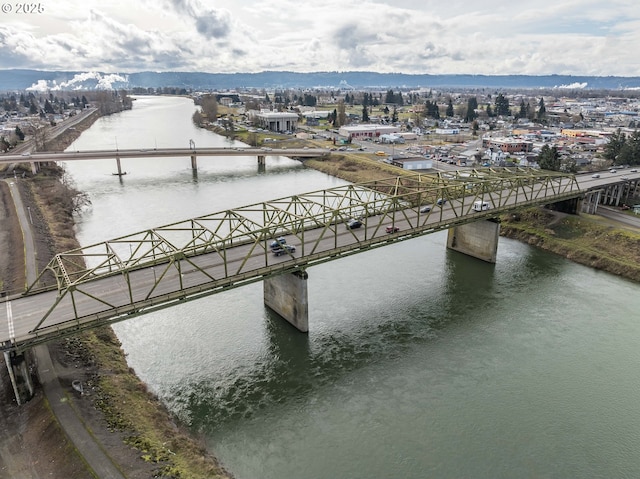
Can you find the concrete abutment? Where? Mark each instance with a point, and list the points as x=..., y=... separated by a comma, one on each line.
x=20, y=375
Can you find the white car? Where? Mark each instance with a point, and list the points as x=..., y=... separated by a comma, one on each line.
x=595, y=176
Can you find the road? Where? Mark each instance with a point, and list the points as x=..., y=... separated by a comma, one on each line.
x=233, y=261
x=161, y=152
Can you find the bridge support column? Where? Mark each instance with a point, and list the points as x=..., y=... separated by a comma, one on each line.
x=261, y=160
x=478, y=239
x=35, y=167
x=589, y=203
x=194, y=163
x=287, y=295
x=119, y=166
x=20, y=377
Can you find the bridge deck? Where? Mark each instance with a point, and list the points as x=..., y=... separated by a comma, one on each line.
x=154, y=269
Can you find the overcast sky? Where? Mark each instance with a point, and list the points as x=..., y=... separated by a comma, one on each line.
x=577, y=37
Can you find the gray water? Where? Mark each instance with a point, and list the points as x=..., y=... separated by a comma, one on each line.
x=419, y=363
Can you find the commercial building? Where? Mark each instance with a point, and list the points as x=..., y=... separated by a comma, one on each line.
x=277, y=121
x=361, y=132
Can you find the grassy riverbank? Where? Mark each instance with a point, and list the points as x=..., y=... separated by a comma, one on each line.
x=584, y=239
x=147, y=438
x=132, y=425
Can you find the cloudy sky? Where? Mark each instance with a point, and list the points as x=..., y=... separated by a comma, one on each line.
x=577, y=37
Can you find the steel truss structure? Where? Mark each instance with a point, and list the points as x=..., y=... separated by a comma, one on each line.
x=203, y=255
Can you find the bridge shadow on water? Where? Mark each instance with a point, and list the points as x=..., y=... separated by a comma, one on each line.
x=463, y=296
x=295, y=366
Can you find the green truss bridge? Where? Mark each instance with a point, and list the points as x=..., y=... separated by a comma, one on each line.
x=154, y=269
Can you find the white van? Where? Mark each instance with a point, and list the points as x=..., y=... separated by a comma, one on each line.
x=480, y=206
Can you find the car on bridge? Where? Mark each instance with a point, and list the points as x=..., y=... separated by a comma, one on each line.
x=278, y=242
x=441, y=201
x=425, y=209
x=283, y=249
x=353, y=224
x=595, y=176
x=392, y=229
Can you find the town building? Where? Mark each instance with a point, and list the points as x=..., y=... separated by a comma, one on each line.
x=366, y=131
x=277, y=121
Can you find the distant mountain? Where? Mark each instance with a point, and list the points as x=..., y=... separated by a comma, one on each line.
x=18, y=80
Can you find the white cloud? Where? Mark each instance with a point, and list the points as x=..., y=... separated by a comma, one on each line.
x=579, y=37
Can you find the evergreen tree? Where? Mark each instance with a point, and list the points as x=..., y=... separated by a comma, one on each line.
x=613, y=148
x=523, y=110
x=19, y=133
x=542, y=110
x=390, y=98
x=489, y=111
x=449, y=111
x=502, y=105
x=472, y=105
x=365, y=114
x=549, y=158
x=394, y=116
x=630, y=151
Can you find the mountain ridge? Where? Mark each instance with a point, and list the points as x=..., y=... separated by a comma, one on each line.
x=43, y=80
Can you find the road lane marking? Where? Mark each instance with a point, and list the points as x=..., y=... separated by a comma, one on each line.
x=12, y=332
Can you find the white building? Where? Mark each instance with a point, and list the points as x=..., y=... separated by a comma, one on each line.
x=277, y=121
x=360, y=132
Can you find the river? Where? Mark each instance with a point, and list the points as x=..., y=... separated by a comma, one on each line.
x=419, y=363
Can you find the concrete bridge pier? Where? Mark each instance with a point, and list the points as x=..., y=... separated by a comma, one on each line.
x=261, y=160
x=589, y=203
x=119, y=167
x=194, y=162
x=287, y=295
x=20, y=376
x=478, y=239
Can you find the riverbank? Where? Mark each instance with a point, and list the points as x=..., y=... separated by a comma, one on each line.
x=584, y=239
x=135, y=428
x=128, y=421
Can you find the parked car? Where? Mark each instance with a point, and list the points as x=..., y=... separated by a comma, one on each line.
x=425, y=209
x=392, y=229
x=353, y=224
x=283, y=249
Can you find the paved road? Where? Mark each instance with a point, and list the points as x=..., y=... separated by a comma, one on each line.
x=92, y=452
x=223, y=265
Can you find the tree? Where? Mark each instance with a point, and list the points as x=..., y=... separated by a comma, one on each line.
x=342, y=115
x=630, y=151
x=48, y=108
x=209, y=106
x=365, y=114
x=489, y=111
x=390, y=98
x=449, y=111
x=613, y=148
x=549, y=158
x=542, y=110
x=523, y=110
x=502, y=105
x=394, y=116
x=197, y=118
x=472, y=106
x=19, y=133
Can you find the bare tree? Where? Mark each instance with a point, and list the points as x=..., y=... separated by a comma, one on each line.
x=210, y=107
